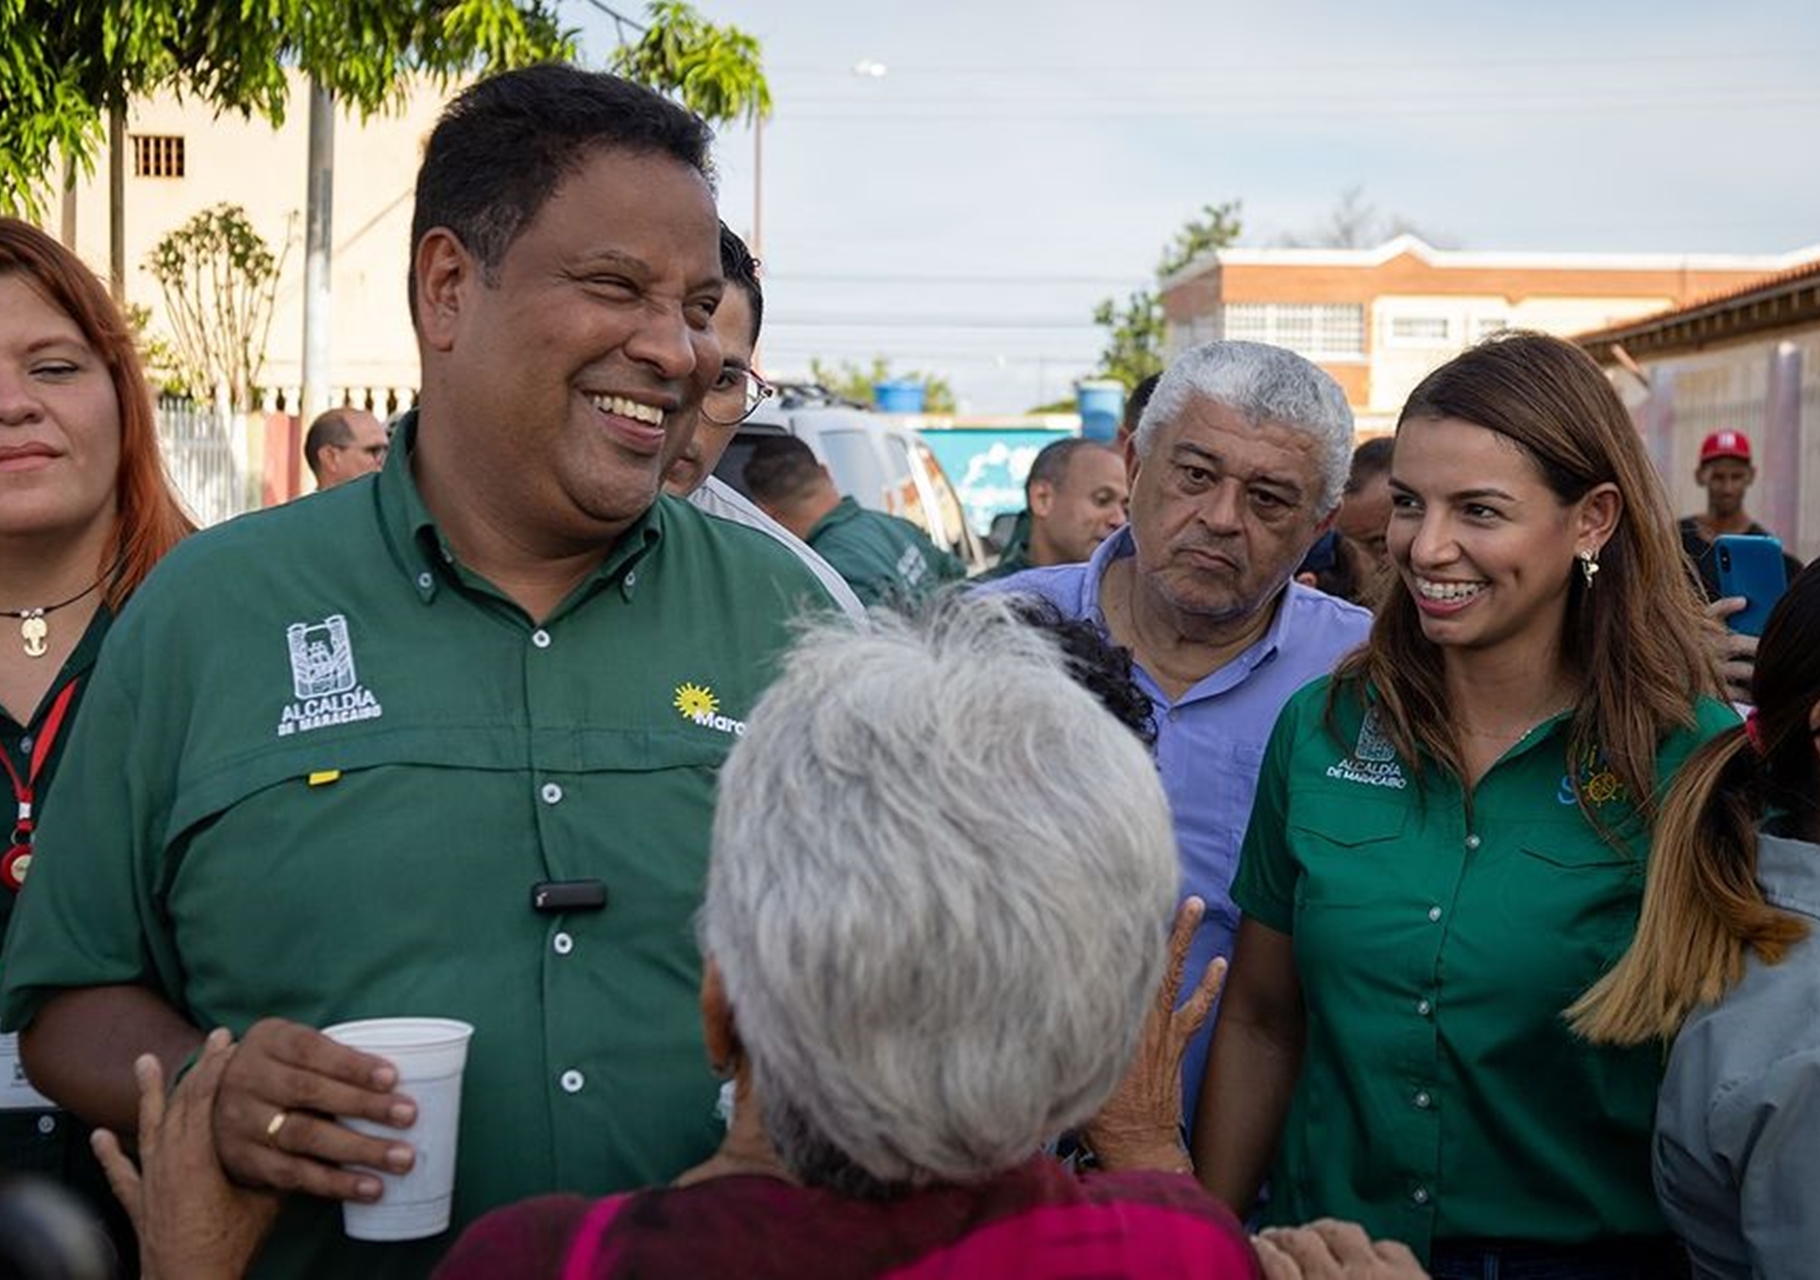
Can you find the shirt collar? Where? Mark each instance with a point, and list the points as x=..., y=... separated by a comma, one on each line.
x=427, y=561
x=1789, y=872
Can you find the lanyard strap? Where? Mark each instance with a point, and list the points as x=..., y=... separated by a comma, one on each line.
x=41, y=752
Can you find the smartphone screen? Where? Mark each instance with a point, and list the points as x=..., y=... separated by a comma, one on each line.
x=1750, y=566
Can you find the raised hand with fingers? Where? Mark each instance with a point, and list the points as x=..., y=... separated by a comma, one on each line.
x=1140, y=1125
x=274, y=1116
x=192, y=1223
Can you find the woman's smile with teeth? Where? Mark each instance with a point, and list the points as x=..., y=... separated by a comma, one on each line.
x=1432, y=590
x=646, y=413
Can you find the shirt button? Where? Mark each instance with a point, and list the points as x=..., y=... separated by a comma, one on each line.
x=47, y=1124
x=551, y=793
x=25, y=745
x=1419, y=1195
x=425, y=581
x=631, y=579
x=1434, y=913
x=1472, y=841
x=1424, y=1008
x=563, y=944
x=540, y=638
x=1423, y=1101
x=572, y=1081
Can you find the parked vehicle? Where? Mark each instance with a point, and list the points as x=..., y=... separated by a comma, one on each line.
x=874, y=459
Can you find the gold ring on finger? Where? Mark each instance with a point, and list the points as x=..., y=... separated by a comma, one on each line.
x=273, y=1125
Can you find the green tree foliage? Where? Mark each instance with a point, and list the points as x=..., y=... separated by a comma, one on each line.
x=1135, y=331
x=1217, y=227
x=715, y=71
x=854, y=382
x=219, y=278
x=1134, y=337
x=64, y=63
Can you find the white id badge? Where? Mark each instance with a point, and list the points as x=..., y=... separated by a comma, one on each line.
x=16, y=1092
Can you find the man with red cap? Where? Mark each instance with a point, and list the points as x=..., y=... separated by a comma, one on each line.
x=1726, y=473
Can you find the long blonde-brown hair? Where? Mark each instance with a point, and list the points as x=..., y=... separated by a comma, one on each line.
x=1635, y=638
x=149, y=519
x=1703, y=912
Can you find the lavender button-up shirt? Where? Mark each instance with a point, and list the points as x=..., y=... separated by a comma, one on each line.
x=1210, y=741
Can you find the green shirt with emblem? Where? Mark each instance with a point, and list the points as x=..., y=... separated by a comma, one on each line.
x=1442, y=1095
x=322, y=765
x=885, y=559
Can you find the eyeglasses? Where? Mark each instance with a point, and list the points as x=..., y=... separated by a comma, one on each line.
x=734, y=396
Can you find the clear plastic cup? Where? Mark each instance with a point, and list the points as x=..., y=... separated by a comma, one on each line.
x=430, y=1054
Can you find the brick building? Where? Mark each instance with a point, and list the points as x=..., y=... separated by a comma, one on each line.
x=1379, y=319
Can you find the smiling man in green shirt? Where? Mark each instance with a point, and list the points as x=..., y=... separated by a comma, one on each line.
x=442, y=742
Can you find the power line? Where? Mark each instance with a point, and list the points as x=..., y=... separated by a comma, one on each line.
x=1305, y=66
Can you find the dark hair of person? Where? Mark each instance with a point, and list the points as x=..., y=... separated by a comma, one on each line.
x=505, y=144
x=781, y=469
x=330, y=428
x=149, y=518
x=1704, y=913
x=1369, y=461
x=741, y=270
x=1635, y=638
x=1135, y=402
x=1099, y=666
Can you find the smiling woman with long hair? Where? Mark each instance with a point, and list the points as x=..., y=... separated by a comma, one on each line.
x=85, y=512
x=1448, y=845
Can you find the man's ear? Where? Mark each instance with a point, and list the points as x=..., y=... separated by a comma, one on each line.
x=442, y=273
x=1042, y=499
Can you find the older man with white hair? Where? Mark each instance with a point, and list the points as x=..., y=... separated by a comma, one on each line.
x=1236, y=467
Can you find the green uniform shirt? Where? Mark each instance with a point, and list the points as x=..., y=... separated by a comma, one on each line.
x=1441, y=1093
x=886, y=560
x=320, y=769
x=1015, y=558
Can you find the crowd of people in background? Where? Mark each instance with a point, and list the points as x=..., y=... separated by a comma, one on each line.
x=1300, y=857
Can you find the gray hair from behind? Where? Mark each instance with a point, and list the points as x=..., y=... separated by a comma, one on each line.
x=1265, y=384
x=939, y=897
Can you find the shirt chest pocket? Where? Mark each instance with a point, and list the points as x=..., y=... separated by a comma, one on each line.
x=1347, y=851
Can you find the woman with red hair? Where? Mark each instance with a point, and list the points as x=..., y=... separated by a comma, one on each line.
x=85, y=512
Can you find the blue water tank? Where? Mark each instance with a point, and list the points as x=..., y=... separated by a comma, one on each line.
x=1101, y=402
x=899, y=395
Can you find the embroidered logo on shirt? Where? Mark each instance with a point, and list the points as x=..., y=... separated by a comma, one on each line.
x=1373, y=760
x=323, y=679
x=696, y=703
x=1597, y=782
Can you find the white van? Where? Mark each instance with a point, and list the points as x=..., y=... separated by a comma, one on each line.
x=874, y=460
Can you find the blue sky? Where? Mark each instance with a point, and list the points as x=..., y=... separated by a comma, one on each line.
x=1016, y=162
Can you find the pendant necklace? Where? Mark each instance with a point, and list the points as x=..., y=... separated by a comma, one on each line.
x=33, y=628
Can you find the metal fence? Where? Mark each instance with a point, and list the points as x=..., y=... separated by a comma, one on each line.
x=205, y=452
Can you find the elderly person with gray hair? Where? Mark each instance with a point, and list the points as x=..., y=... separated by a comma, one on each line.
x=930, y=947
x=1236, y=468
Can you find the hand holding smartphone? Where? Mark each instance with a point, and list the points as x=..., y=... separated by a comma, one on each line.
x=1750, y=566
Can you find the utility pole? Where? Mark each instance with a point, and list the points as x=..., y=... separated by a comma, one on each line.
x=116, y=204
x=318, y=239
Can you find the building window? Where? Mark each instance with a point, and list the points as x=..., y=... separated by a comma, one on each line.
x=1317, y=331
x=1489, y=326
x=157, y=155
x=1424, y=331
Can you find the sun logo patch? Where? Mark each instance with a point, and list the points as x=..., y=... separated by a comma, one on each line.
x=695, y=700
x=697, y=704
